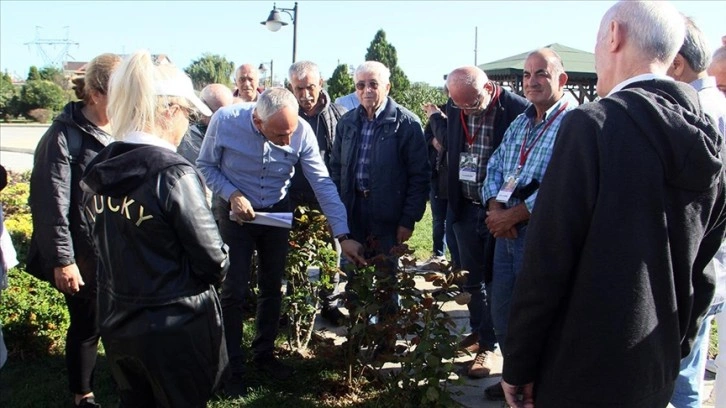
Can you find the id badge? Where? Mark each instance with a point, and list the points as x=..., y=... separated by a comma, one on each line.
x=510, y=184
x=468, y=163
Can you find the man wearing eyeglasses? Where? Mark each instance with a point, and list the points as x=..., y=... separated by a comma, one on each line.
x=477, y=115
x=380, y=165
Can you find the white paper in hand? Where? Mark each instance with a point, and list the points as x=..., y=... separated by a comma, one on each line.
x=281, y=220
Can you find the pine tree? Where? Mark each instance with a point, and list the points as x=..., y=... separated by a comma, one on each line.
x=340, y=83
x=384, y=52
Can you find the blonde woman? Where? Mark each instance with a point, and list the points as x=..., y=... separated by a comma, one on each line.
x=61, y=249
x=159, y=248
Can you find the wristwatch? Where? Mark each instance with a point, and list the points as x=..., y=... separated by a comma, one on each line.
x=342, y=237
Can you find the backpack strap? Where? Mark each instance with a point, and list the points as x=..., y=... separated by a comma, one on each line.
x=75, y=143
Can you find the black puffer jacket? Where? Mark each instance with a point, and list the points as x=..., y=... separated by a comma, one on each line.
x=60, y=234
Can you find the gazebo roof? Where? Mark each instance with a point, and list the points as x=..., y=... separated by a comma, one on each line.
x=578, y=63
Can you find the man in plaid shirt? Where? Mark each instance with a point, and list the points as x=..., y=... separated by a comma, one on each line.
x=513, y=174
x=475, y=117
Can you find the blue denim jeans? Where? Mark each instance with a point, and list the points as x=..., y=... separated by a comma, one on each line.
x=272, y=245
x=442, y=226
x=689, y=383
x=471, y=236
x=508, y=254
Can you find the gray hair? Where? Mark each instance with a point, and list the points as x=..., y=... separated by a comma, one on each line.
x=466, y=77
x=656, y=28
x=695, y=49
x=376, y=68
x=720, y=54
x=301, y=69
x=273, y=100
x=216, y=96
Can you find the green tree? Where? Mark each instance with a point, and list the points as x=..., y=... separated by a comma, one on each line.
x=210, y=69
x=340, y=83
x=418, y=94
x=33, y=74
x=7, y=91
x=56, y=75
x=42, y=94
x=384, y=52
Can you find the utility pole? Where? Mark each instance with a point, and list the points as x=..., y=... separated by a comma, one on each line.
x=46, y=45
x=476, y=40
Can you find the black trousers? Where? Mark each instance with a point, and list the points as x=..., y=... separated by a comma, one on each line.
x=81, y=343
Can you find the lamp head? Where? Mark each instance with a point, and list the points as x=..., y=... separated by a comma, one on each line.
x=274, y=22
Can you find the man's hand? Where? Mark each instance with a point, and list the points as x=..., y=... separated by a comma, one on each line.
x=353, y=250
x=241, y=207
x=511, y=391
x=435, y=143
x=403, y=234
x=430, y=109
x=502, y=222
x=68, y=278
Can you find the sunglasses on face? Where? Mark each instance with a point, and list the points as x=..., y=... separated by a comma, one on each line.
x=363, y=85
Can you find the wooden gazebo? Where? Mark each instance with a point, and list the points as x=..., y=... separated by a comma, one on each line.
x=579, y=65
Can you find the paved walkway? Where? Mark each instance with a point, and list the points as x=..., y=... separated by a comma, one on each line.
x=471, y=393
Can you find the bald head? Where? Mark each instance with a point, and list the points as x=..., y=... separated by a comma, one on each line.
x=469, y=76
x=469, y=89
x=216, y=96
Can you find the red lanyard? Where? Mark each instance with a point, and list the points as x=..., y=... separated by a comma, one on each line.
x=523, y=154
x=469, y=137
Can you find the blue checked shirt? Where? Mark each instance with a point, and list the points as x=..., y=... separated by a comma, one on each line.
x=505, y=159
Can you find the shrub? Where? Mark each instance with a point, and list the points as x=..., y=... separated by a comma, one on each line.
x=34, y=316
x=42, y=94
x=41, y=115
x=418, y=326
x=308, y=246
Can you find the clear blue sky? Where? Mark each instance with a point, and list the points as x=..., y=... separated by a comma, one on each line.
x=431, y=37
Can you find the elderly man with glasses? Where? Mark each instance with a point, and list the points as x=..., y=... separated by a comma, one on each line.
x=380, y=165
x=476, y=117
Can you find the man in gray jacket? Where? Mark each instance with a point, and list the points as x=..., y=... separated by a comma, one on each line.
x=322, y=115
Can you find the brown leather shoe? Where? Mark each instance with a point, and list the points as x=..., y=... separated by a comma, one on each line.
x=482, y=365
x=469, y=345
x=467, y=341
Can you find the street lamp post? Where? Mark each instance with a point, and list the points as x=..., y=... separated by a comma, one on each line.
x=274, y=23
x=271, y=78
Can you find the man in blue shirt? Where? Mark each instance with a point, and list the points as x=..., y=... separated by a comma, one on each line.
x=513, y=174
x=247, y=159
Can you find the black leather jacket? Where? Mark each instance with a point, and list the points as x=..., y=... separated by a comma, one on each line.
x=157, y=241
